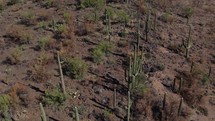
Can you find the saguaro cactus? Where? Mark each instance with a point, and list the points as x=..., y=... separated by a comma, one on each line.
x=61, y=74
x=129, y=107
x=191, y=67
x=76, y=114
x=43, y=116
x=180, y=107
x=147, y=25
x=138, y=35
x=209, y=72
x=164, y=101
x=155, y=21
x=114, y=99
x=180, y=85
x=173, y=86
x=188, y=43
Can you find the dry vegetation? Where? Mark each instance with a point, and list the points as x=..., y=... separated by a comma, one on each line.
x=107, y=60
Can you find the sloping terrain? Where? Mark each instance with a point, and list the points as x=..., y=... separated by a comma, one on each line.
x=97, y=42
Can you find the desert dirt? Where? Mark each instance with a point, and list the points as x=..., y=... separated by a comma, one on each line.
x=27, y=72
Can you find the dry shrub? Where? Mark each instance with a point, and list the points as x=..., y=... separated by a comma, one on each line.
x=90, y=27
x=43, y=15
x=45, y=58
x=19, y=94
x=164, y=4
x=85, y=28
x=70, y=28
x=18, y=34
x=143, y=7
x=39, y=73
x=192, y=96
x=191, y=89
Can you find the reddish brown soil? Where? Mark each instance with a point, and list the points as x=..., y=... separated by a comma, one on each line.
x=96, y=89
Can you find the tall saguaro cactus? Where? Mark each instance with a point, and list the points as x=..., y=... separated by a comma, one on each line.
x=180, y=107
x=43, y=116
x=164, y=101
x=155, y=21
x=114, y=98
x=209, y=72
x=180, y=85
x=61, y=74
x=188, y=43
x=129, y=107
x=147, y=26
x=76, y=114
x=138, y=35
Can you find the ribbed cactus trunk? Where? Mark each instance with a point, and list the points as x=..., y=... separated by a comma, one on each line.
x=43, y=116
x=129, y=107
x=114, y=99
x=164, y=101
x=155, y=21
x=209, y=72
x=173, y=86
x=180, y=107
x=147, y=26
x=76, y=114
x=191, y=67
x=180, y=85
x=61, y=74
x=188, y=43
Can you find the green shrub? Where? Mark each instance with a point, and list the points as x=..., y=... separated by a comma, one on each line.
x=48, y=3
x=188, y=12
x=1, y=6
x=112, y=13
x=76, y=68
x=61, y=28
x=12, y=2
x=66, y=16
x=5, y=104
x=54, y=97
x=98, y=4
x=122, y=16
x=205, y=79
x=28, y=17
x=97, y=55
x=105, y=47
x=140, y=87
x=43, y=42
x=168, y=18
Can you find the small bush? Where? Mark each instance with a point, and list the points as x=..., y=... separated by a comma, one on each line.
x=76, y=68
x=1, y=6
x=139, y=88
x=19, y=94
x=5, y=104
x=28, y=18
x=12, y=2
x=123, y=16
x=43, y=42
x=105, y=47
x=97, y=55
x=66, y=16
x=39, y=73
x=168, y=18
x=98, y=4
x=48, y=3
x=15, y=56
x=205, y=79
x=188, y=12
x=18, y=34
x=54, y=97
